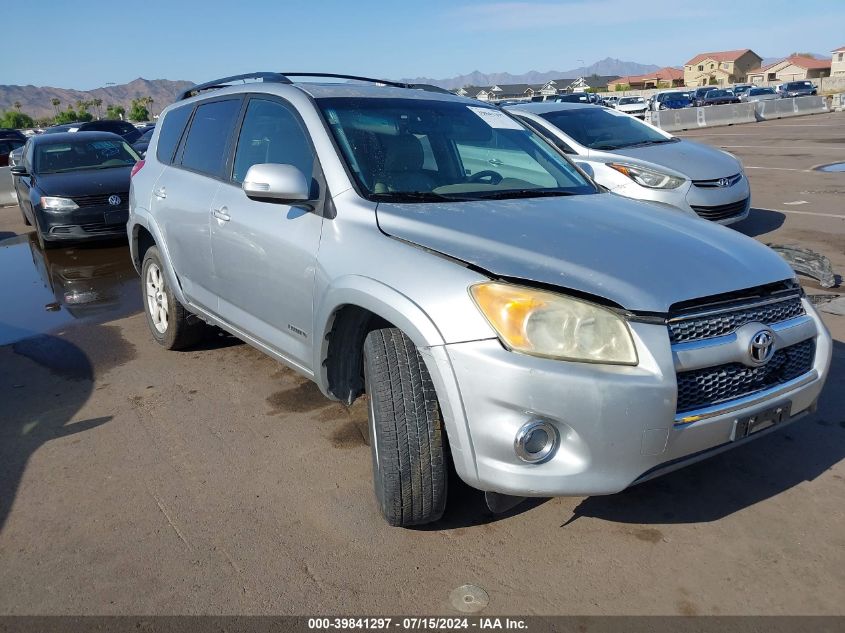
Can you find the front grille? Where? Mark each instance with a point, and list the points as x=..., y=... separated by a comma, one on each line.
x=715, y=182
x=720, y=211
x=694, y=328
x=101, y=200
x=713, y=385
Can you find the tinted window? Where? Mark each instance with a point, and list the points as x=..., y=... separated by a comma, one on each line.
x=598, y=128
x=171, y=131
x=271, y=134
x=205, y=146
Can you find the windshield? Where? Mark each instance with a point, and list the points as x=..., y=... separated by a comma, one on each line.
x=598, y=128
x=761, y=91
x=424, y=150
x=674, y=96
x=629, y=100
x=716, y=93
x=52, y=158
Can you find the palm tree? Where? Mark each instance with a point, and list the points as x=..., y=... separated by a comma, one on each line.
x=56, y=103
x=150, y=104
x=97, y=103
x=17, y=105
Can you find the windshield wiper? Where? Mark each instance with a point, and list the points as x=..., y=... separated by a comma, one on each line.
x=523, y=193
x=416, y=196
x=655, y=142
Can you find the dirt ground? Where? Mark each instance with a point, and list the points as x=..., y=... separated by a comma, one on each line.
x=139, y=481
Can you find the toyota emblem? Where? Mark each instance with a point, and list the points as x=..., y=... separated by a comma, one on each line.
x=762, y=347
x=114, y=200
x=724, y=182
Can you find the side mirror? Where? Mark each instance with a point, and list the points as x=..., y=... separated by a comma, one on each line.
x=19, y=170
x=282, y=183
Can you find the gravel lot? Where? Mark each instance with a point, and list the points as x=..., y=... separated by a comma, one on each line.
x=214, y=481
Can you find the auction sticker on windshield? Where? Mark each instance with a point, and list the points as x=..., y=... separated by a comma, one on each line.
x=495, y=118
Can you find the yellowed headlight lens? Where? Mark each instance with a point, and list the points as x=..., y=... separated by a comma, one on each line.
x=555, y=326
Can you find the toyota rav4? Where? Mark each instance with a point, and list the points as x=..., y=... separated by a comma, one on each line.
x=502, y=314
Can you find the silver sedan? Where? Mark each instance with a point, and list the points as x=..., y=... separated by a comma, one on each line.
x=637, y=160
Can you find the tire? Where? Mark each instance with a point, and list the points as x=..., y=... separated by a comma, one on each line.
x=171, y=325
x=407, y=439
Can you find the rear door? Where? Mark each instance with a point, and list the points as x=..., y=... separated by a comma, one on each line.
x=265, y=252
x=183, y=193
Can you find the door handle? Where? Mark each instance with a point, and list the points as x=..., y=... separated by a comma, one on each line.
x=221, y=214
x=160, y=193
x=495, y=162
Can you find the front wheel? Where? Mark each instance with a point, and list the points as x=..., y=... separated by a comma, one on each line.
x=171, y=325
x=406, y=431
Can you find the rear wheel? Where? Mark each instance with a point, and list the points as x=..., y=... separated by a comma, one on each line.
x=171, y=325
x=406, y=431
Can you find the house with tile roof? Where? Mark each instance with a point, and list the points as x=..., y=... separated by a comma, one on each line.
x=720, y=68
x=837, y=62
x=792, y=68
x=527, y=91
x=663, y=78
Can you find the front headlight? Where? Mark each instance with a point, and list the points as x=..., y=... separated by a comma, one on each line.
x=547, y=324
x=57, y=205
x=648, y=177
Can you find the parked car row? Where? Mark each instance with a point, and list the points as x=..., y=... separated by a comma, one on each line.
x=497, y=281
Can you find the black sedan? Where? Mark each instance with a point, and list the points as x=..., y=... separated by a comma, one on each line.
x=75, y=186
x=719, y=97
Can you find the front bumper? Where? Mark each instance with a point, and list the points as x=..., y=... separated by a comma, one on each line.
x=83, y=224
x=617, y=425
x=697, y=201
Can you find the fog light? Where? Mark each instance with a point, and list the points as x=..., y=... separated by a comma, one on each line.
x=536, y=441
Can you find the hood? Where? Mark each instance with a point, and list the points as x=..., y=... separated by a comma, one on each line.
x=641, y=256
x=694, y=160
x=85, y=183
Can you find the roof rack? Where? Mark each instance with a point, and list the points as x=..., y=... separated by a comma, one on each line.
x=221, y=83
x=283, y=78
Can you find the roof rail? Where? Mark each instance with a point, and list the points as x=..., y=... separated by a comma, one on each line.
x=283, y=78
x=386, y=82
x=221, y=83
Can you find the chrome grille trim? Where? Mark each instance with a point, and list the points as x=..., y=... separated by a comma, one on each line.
x=722, y=321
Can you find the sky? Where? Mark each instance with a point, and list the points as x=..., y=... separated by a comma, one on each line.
x=89, y=44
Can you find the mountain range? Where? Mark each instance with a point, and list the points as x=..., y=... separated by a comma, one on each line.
x=37, y=101
x=605, y=67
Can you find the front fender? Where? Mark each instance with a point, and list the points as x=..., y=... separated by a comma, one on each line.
x=139, y=218
x=378, y=298
x=405, y=314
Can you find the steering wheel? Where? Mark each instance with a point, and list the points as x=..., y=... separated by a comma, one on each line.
x=494, y=176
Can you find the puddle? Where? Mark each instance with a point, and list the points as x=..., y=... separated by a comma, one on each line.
x=833, y=167
x=47, y=290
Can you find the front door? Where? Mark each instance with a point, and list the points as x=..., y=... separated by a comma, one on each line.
x=265, y=252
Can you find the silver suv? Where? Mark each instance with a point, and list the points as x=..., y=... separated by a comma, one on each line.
x=503, y=315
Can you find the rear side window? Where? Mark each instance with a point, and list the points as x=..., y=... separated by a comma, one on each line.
x=171, y=131
x=205, y=146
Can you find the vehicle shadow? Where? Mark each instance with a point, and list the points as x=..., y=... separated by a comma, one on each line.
x=29, y=419
x=4, y=235
x=737, y=479
x=760, y=222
